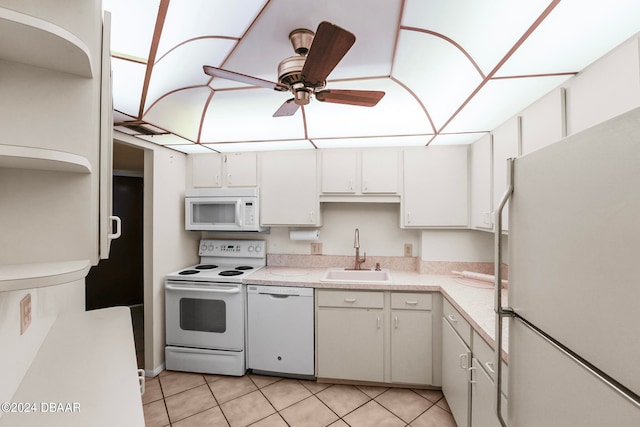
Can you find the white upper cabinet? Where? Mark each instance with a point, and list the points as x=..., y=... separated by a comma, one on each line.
x=224, y=170
x=481, y=183
x=435, y=187
x=360, y=172
x=544, y=122
x=506, y=144
x=289, y=189
x=339, y=171
x=380, y=171
x=605, y=89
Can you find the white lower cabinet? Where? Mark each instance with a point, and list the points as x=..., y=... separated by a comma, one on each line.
x=468, y=373
x=354, y=352
x=456, y=359
x=374, y=336
x=483, y=413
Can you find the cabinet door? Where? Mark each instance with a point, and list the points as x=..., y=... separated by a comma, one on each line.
x=435, y=187
x=483, y=413
x=456, y=358
x=206, y=170
x=506, y=144
x=241, y=170
x=380, y=171
x=481, y=190
x=354, y=352
x=339, y=172
x=411, y=347
x=288, y=189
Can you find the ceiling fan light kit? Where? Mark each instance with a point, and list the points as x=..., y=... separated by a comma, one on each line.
x=305, y=75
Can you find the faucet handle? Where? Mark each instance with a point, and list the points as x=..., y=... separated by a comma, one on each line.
x=377, y=266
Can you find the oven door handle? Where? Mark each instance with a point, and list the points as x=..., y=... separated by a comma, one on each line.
x=203, y=289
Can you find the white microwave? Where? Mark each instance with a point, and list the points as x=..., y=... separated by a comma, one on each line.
x=222, y=209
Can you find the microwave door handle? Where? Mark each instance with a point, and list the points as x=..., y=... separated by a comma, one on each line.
x=210, y=290
x=239, y=213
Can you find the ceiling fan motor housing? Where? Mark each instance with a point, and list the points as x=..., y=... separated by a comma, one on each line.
x=301, y=39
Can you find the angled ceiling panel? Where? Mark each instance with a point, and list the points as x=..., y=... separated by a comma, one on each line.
x=182, y=67
x=246, y=115
x=398, y=113
x=436, y=71
x=499, y=100
x=192, y=19
x=128, y=80
x=180, y=112
x=575, y=34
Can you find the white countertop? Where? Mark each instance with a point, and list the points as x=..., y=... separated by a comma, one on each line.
x=475, y=303
x=85, y=374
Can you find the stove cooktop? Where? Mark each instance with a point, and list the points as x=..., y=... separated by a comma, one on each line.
x=214, y=272
x=223, y=261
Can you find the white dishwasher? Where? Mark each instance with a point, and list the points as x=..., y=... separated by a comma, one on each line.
x=280, y=328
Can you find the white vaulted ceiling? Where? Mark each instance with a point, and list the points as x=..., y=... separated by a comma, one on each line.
x=451, y=69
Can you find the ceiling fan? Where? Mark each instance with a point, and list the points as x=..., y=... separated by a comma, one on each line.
x=305, y=75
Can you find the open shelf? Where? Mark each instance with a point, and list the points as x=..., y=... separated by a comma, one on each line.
x=33, y=41
x=15, y=277
x=19, y=157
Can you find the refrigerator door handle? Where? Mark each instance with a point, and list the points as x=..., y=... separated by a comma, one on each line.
x=500, y=311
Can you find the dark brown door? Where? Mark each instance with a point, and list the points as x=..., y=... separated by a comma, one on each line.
x=119, y=279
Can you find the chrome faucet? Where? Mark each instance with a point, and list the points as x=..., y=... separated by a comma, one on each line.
x=356, y=244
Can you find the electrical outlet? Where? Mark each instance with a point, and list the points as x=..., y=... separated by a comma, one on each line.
x=408, y=249
x=316, y=248
x=25, y=313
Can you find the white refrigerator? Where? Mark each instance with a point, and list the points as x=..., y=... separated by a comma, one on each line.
x=574, y=281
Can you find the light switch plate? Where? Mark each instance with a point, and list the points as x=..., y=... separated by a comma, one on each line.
x=316, y=248
x=25, y=313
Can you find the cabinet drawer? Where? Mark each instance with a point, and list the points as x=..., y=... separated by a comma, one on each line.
x=484, y=354
x=458, y=322
x=410, y=301
x=350, y=299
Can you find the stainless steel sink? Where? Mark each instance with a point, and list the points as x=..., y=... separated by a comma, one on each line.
x=356, y=276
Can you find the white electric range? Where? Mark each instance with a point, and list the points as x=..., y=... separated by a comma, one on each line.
x=205, y=308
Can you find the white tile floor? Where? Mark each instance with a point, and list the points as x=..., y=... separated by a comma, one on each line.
x=186, y=399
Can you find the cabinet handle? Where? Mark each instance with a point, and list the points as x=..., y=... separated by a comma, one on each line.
x=351, y=184
x=350, y=300
x=229, y=179
x=141, y=381
x=452, y=318
x=471, y=380
x=396, y=321
x=118, y=232
x=378, y=323
x=463, y=357
x=366, y=185
x=489, y=367
x=311, y=216
x=408, y=217
x=411, y=302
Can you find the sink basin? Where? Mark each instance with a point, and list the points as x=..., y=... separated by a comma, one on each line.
x=356, y=276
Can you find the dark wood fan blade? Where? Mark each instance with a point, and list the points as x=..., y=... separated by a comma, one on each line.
x=364, y=98
x=330, y=44
x=243, y=78
x=288, y=108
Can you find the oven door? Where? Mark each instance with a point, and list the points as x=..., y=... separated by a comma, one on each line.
x=204, y=315
x=213, y=213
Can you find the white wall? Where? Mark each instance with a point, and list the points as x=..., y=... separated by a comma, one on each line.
x=18, y=351
x=457, y=245
x=167, y=245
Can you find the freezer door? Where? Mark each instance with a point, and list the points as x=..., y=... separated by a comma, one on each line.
x=549, y=389
x=574, y=243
